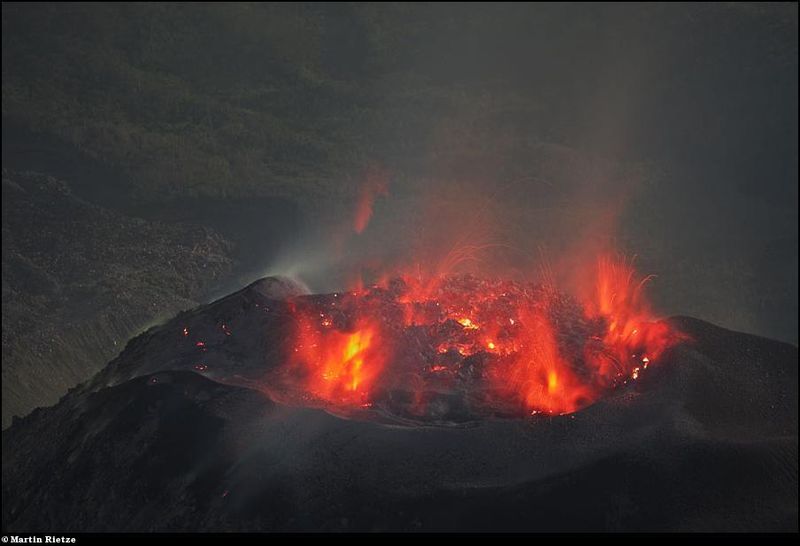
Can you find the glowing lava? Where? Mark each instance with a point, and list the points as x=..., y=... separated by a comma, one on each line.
x=470, y=346
x=630, y=335
x=339, y=367
x=536, y=375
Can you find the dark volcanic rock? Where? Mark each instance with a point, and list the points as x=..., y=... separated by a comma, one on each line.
x=707, y=440
x=79, y=280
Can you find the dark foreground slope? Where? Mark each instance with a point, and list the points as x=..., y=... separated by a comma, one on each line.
x=706, y=441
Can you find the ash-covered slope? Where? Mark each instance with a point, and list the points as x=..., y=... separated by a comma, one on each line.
x=707, y=440
x=79, y=280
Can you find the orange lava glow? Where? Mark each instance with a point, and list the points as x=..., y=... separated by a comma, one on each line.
x=537, y=375
x=631, y=333
x=504, y=347
x=339, y=367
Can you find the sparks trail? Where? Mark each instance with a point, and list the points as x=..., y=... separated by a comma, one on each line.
x=464, y=346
